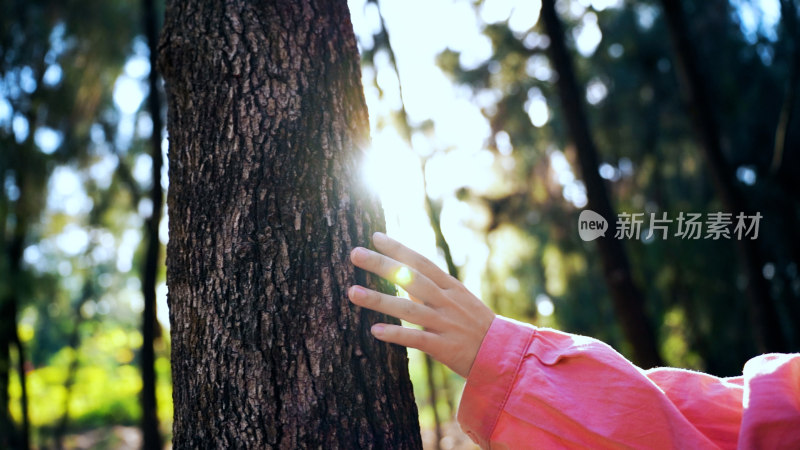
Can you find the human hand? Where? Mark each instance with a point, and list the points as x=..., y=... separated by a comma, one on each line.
x=454, y=321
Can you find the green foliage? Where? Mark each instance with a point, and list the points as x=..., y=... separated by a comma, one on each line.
x=694, y=292
x=105, y=386
x=105, y=382
x=71, y=195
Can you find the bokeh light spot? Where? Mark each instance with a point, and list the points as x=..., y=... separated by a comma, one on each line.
x=402, y=276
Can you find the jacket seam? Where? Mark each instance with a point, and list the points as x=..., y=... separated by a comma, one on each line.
x=510, y=386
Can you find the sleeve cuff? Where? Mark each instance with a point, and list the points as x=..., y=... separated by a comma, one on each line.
x=492, y=376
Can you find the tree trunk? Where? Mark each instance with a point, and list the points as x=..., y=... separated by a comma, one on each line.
x=10, y=436
x=267, y=120
x=764, y=316
x=9, y=337
x=626, y=296
x=150, y=330
x=789, y=20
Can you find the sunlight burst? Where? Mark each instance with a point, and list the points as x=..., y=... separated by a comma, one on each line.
x=402, y=276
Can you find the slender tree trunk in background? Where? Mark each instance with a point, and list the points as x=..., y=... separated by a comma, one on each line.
x=432, y=398
x=267, y=121
x=627, y=298
x=88, y=292
x=789, y=20
x=150, y=432
x=8, y=431
x=10, y=436
x=26, y=422
x=764, y=316
x=406, y=131
x=75, y=344
x=434, y=211
x=782, y=144
x=6, y=425
x=444, y=375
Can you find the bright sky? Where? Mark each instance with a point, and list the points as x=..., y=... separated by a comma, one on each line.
x=393, y=169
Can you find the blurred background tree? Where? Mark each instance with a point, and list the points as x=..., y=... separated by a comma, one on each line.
x=75, y=166
x=653, y=162
x=478, y=169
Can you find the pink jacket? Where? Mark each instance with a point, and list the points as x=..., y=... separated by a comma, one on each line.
x=539, y=388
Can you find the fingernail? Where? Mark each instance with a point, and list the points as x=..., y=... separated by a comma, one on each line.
x=377, y=329
x=358, y=253
x=356, y=292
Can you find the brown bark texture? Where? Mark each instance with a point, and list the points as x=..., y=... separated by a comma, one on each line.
x=627, y=298
x=267, y=122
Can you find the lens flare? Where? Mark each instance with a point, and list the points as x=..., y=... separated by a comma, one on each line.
x=402, y=276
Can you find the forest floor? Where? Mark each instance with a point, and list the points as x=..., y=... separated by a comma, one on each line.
x=130, y=438
x=118, y=437
x=452, y=438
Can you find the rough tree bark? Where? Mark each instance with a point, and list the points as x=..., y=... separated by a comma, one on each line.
x=266, y=121
x=627, y=298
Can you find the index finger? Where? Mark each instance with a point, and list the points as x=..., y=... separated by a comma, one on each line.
x=410, y=279
x=405, y=255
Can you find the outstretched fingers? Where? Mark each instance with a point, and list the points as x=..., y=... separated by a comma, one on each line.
x=410, y=279
x=405, y=255
x=454, y=320
x=396, y=307
x=409, y=337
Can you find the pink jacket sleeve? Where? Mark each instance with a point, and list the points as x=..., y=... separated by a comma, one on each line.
x=541, y=388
